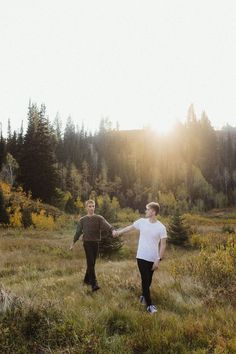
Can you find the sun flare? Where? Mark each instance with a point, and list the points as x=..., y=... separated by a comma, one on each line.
x=163, y=127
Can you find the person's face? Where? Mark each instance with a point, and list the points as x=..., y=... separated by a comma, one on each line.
x=90, y=208
x=149, y=212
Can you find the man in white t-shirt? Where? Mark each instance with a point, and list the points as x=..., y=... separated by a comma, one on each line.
x=151, y=248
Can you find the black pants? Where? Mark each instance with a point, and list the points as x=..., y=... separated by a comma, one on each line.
x=146, y=272
x=91, y=252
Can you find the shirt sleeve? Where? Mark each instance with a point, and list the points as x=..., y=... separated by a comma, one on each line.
x=137, y=224
x=104, y=225
x=163, y=233
x=79, y=231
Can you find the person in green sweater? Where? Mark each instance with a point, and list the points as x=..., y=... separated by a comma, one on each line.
x=91, y=226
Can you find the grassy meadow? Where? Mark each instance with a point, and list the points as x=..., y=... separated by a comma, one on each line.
x=45, y=308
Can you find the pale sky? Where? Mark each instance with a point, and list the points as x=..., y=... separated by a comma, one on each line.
x=137, y=62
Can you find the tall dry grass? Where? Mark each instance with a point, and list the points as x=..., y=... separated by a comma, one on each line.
x=53, y=312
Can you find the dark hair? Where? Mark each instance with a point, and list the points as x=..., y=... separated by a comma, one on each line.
x=155, y=206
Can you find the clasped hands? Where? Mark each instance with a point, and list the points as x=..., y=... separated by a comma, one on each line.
x=115, y=233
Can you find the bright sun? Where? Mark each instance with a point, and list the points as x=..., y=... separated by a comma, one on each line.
x=163, y=127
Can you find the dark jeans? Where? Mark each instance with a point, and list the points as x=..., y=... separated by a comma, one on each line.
x=146, y=272
x=91, y=251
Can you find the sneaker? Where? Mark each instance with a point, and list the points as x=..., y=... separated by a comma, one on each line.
x=142, y=300
x=95, y=287
x=151, y=309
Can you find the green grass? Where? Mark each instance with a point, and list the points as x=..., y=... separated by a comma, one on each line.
x=51, y=311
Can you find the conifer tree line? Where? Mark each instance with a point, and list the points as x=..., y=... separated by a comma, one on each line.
x=192, y=169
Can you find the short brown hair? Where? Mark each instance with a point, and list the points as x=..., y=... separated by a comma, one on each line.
x=90, y=201
x=155, y=206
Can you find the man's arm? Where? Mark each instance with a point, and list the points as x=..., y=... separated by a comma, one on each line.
x=78, y=233
x=162, y=247
x=122, y=231
x=162, y=251
x=105, y=226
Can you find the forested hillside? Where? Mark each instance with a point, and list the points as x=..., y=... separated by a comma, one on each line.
x=193, y=167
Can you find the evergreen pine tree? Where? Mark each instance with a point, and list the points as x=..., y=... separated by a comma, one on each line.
x=207, y=150
x=109, y=245
x=86, y=187
x=2, y=150
x=68, y=179
x=177, y=230
x=57, y=124
x=38, y=172
x=69, y=141
x=70, y=205
x=8, y=130
x=11, y=141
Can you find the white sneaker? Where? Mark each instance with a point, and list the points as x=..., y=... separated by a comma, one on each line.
x=151, y=309
x=142, y=300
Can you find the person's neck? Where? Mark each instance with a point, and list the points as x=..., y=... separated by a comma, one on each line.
x=90, y=214
x=153, y=219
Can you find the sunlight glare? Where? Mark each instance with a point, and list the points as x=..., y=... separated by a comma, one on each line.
x=163, y=127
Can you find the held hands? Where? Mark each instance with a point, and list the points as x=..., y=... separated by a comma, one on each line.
x=115, y=233
x=71, y=246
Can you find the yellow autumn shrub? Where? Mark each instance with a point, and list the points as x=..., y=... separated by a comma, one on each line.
x=16, y=218
x=214, y=267
x=5, y=187
x=42, y=221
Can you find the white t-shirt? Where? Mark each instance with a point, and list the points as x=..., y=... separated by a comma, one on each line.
x=150, y=236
